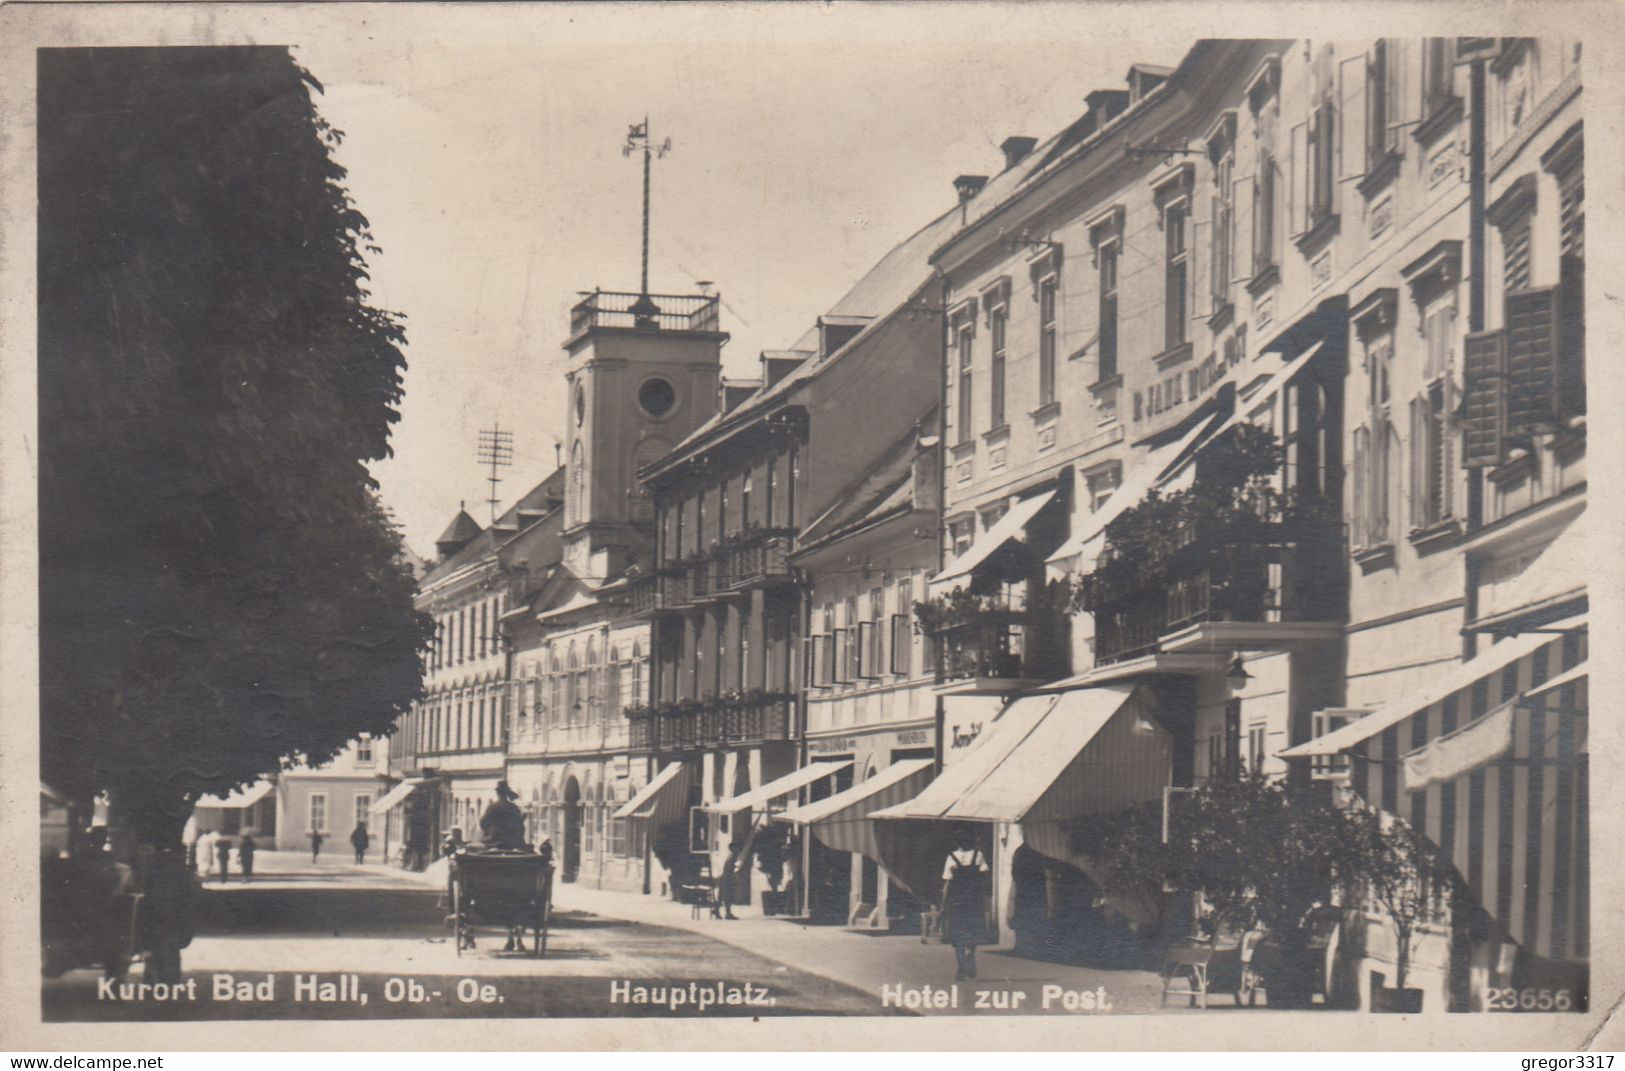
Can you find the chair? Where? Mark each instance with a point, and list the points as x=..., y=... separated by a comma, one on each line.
x=1187, y=959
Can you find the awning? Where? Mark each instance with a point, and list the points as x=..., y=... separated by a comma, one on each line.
x=1447, y=757
x=842, y=821
x=243, y=797
x=1039, y=738
x=759, y=799
x=1568, y=676
x=1463, y=675
x=393, y=798
x=1142, y=476
x=1005, y=529
x=664, y=799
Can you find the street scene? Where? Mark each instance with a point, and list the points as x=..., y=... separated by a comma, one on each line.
x=1131, y=563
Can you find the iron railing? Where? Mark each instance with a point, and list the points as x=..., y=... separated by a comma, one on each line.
x=665, y=312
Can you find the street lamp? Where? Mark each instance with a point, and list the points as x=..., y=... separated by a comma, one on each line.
x=1237, y=675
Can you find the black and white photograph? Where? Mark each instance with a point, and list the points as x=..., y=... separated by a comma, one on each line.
x=737, y=514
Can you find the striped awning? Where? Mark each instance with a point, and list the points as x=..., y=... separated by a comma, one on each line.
x=842, y=821
x=1006, y=528
x=663, y=800
x=762, y=798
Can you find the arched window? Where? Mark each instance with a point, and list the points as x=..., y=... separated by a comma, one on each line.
x=637, y=672
x=578, y=483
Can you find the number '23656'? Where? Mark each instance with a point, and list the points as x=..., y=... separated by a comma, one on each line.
x=1509, y=999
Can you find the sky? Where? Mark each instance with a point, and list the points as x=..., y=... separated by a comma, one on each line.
x=484, y=145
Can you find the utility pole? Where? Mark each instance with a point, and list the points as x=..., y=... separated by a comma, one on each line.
x=495, y=450
x=644, y=310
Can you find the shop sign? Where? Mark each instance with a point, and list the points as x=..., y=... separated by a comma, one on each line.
x=832, y=744
x=963, y=736
x=914, y=738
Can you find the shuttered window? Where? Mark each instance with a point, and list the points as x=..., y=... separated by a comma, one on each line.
x=1571, y=212
x=996, y=328
x=1515, y=256
x=1532, y=319
x=1483, y=376
x=1046, y=342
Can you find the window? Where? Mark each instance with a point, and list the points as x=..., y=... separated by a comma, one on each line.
x=1046, y=340
x=868, y=666
x=874, y=645
x=1438, y=75
x=1572, y=212
x=772, y=470
x=960, y=535
x=997, y=319
x=1515, y=256
x=363, y=750
x=842, y=653
x=744, y=502
x=1322, y=163
x=578, y=483
x=1224, y=210
x=1108, y=310
x=1176, y=273
x=790, y=488
x=363, y=804
x=318, y=812
x=1215, y=755
x=1101, y=484
x=965, y=401
x=1433, y=425
x=656, y=397
x=1255, y=748
x=1383, y=102
x=722, y=510
x=1373, y=485
x=1264, y=213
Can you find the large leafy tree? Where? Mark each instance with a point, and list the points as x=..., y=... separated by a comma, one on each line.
x=220, y=590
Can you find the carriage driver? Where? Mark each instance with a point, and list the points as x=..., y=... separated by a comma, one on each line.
x=503, y=824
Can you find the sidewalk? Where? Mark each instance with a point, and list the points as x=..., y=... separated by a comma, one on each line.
x=864, y=960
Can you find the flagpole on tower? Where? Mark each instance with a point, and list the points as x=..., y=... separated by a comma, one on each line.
x=644, y=310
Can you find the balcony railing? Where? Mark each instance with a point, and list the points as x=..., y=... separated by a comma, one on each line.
x=693, y=724
x=663, y=312
x=759, y=563
x=1004, y=644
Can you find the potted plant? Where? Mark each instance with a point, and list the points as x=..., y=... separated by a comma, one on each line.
x=1400, y=872
x=770, y=848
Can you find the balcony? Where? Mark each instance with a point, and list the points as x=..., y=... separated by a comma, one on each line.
x=688, y=725
x=993, y=644
x=1255, y=585
x=653, y=312
x=762, y=561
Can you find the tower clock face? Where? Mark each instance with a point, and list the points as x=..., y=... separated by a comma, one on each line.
x=656, y=397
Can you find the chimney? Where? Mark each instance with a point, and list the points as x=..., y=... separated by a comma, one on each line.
x=969, y=186
x=1016, y=148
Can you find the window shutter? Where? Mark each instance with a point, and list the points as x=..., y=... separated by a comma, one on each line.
x=1445, y=429
x=1244, y=245
x=1483, y=376
x=1199, y=270
x=1532, y=320
x=1401, y=108
x=1297, y=166
x=1572, y=386
x=1361, y=510
x=1351, y=139
x=1419, y=461
x=868, y=665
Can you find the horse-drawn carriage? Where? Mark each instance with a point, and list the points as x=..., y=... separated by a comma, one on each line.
x=500, y=889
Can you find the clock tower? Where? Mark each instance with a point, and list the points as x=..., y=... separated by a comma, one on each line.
x=642, y=374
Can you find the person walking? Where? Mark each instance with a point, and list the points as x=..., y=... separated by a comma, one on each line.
x=964, y=915
x=316, y=839
x=222, y=853
x=359, y=841
x=205, y=853
x=245, y=856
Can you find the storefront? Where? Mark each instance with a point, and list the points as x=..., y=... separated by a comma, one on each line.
x=1047, y=763
x=734, y=826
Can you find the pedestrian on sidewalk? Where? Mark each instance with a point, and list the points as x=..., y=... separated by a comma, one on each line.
x=316, y=839
x=359, y=841
x=964, y=911
x=222, y=853
x=245, y=855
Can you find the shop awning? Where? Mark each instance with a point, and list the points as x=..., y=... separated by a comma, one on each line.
x=842, y=821
x=664, y=799
x=1463, y=675
x=1142, y=476
x=1445, y=758
x=1005, y=529
x=395, y=796
x=759, y=799
x=243, y=797
x=1039, y=738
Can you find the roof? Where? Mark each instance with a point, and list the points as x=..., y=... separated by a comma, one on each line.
x=886, y=287
x=507, y=526
x=461, y=529
x=884, y=488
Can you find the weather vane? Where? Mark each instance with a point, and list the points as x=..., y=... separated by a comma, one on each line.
x=644, y=310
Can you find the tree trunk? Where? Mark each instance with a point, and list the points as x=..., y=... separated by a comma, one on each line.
x=153, y=819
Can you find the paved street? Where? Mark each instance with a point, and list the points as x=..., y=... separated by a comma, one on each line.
x=374, y=935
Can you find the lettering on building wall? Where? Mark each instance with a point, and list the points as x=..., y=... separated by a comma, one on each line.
x=964, y=737
x=832, y=744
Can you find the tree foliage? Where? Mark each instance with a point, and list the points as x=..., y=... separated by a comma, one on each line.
x=220, y=590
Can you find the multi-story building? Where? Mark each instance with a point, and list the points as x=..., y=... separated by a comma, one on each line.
x=725, y=725
x=450, y=750
x=331, y=799
x=1466, y=696
x=640, y=379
